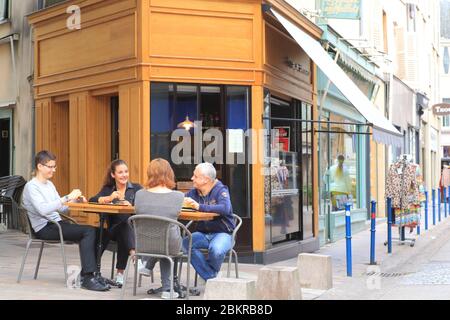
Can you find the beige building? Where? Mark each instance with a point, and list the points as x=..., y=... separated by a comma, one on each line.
x=16, y=99
x=444, y=70
x=402, y=38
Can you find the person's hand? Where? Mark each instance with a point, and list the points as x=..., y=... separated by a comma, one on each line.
x=192, y=203
x=75, y=194
x=82, y=199
x=116, y=195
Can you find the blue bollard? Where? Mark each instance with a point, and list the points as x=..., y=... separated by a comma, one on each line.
x=426, y=210
x=433, y=199
x=445, y=201
x=389, y=231
x=439, y=204
x=372, y=232
x=348, y=236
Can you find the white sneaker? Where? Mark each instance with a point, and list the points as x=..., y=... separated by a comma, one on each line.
x=166, y=295
x=119, y=279
x=142, y=269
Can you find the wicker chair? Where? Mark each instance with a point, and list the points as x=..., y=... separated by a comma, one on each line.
x=34, y=239
x=152, y=234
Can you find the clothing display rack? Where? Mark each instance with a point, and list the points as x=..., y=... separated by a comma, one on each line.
x=402, y=187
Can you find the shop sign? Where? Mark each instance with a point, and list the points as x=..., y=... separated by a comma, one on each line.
x=441, y=109
x=340, y=9
x=297, y=66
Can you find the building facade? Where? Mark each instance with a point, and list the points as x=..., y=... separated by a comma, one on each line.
x=16, y=96
x=121, y=83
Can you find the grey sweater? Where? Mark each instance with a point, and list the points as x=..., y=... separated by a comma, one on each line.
x=164, y=205
x=42, y=199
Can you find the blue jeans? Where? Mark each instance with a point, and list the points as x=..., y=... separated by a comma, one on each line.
x=218, y=245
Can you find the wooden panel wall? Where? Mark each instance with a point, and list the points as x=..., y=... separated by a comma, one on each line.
x=52, y=133
x=204, y=41
x=134, y=128
x=104, y=51
x=90, y=141
x=258, y=214
x=278, y=76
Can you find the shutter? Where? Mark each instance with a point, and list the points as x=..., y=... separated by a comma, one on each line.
x=377, y=25
x=400, y=43
x=411, y=60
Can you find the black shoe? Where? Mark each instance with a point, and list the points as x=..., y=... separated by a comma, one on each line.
x=91, y=283
x=103, y=281
x=155, y=291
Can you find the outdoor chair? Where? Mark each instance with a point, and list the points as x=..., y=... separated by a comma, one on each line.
x=232, y=252
x=11, y=188
x=34, y=239
x=152, y=240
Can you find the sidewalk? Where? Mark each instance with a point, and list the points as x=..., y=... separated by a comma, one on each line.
x=50, y=283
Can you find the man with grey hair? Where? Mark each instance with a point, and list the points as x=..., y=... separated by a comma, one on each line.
x=210, y=195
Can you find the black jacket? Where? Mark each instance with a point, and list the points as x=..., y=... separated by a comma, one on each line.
x=130, y=194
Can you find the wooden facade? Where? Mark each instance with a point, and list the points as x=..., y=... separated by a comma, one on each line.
x=123, y=46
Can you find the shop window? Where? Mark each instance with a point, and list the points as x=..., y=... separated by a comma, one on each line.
x=4, y=9
x=342, y=176
x=217, y=108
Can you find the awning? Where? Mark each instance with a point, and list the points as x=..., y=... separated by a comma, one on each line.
x=383, y=131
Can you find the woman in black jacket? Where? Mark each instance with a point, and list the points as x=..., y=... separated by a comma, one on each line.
x=118, y=190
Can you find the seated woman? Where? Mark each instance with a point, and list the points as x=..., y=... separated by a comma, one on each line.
x=117, y=189
x=159, y=199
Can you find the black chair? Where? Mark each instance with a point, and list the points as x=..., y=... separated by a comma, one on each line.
x=11, y=188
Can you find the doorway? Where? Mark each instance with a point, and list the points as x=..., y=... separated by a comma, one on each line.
x=5, y=147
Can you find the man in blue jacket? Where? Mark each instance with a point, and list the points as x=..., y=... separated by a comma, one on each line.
x=210, y=195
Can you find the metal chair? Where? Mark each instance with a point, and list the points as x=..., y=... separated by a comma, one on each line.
x=34, y=239
x=152, y=239
x=11, y=188
x=232, y=252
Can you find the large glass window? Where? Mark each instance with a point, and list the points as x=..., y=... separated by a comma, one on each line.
x=4, y=6
x=214, y=110
x=341, y=177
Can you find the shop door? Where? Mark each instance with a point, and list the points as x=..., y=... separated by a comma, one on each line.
x=5, y=147
x=285, y=172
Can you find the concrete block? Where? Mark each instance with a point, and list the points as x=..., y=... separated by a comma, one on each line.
x=315, y=271
x=230, y=289
x=278, y=283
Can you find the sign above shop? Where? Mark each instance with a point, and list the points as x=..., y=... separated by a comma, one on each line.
x=340, y=9
x=441, y=109
x=297, y=66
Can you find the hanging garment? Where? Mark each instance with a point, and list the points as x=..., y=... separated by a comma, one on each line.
x=401, y=185
x=445, y=177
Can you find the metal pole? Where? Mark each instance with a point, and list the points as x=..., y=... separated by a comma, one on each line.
x=439, y=203
x=445, y=201
x=426, y=210
x=372, y=232
x=433, y=199
x=348, y=236
x=389, y=231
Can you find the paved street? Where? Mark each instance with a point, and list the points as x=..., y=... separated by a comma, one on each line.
x=419, y=272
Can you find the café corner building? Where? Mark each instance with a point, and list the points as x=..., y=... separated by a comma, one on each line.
x=134, y=71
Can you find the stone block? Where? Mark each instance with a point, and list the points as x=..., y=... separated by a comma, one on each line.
x=230, y=289
x=315, y=271
x=278, y=283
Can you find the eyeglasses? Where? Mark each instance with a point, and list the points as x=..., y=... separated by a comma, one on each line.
x=50, y=167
